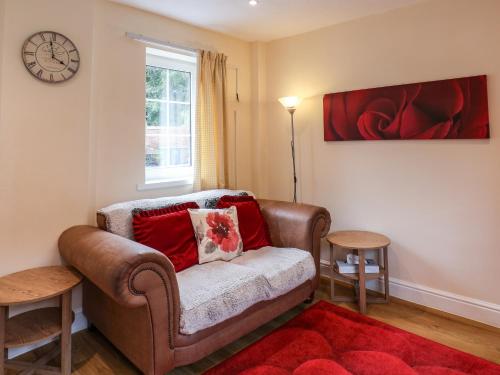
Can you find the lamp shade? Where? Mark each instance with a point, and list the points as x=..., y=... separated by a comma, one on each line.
x=290, y=101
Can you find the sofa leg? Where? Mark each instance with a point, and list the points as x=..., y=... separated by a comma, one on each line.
x=310, y=299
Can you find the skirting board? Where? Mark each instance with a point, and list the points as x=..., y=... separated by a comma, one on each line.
x=79, y=324
x=455, y=304
x=470, y=308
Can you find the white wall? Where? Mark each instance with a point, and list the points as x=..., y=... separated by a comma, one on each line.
x=438, y=201
x=70, y=148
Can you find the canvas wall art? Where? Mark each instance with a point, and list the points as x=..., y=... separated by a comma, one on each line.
x=447, y=109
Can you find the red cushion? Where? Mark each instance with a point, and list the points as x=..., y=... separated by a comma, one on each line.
x=168, y=230
x=253, y=228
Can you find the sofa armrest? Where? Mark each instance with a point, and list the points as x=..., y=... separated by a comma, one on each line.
x=297, y=225
x=130, y=273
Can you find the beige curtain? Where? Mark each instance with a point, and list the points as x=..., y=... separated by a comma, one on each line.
x=210, y=161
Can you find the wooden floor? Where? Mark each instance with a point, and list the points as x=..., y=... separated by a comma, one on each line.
x=94, y=355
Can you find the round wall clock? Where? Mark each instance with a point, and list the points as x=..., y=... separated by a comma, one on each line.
x=50, y=56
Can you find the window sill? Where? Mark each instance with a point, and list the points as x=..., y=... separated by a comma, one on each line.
x=165, y=184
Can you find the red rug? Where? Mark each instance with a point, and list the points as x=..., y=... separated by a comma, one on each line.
x=327, y=339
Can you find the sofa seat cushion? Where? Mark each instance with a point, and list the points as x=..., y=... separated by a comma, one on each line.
x=284, y=268
x=213, y=292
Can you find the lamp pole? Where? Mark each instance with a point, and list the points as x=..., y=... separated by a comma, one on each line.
x=292, y=143
x=291, y=103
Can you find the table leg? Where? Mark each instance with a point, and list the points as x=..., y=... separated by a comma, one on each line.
x=386, y=274
x=66, y=320
x=3, y=357
x=362, y=283
x=332, y=272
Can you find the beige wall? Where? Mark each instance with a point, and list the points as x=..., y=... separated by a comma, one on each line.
x=44, y=137
x=439, y=201
x=67, y=149
x=118, y=100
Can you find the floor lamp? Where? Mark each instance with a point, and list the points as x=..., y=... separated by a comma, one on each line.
x=291, y=103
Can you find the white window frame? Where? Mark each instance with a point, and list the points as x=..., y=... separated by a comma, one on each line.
x=183, y=61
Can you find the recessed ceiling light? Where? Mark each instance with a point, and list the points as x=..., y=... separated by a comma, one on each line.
x=253, y=2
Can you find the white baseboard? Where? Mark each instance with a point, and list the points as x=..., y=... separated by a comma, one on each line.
x=470, y=308
x=466, y=307
x=79, y=324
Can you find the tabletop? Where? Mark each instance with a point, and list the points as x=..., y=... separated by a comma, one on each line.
x=37, y=284
x=357, y=239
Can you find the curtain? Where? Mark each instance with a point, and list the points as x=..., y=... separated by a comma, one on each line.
x=210, y=159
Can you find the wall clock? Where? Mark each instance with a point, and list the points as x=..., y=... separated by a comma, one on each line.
x=50, y=57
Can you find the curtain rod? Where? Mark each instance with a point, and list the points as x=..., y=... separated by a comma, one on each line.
x=158, y=42
x=162, y=43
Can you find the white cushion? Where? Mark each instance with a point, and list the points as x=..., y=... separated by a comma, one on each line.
x=213, y=292
x=284, y=268
x=217, y=233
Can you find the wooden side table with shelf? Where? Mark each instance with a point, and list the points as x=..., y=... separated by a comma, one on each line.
x=359, y=242
x=30, y=286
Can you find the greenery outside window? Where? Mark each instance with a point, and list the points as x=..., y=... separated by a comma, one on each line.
x=169, y=125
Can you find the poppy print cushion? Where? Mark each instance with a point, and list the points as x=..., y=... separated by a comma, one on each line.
x=217, y=234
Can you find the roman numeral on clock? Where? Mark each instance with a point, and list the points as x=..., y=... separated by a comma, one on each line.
x=31, y=64
x=72, y=70
x=42, y=36
x=39, y=73
x=26, y=53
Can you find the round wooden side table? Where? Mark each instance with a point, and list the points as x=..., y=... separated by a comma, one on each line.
x=359, y=242
x=35, y=285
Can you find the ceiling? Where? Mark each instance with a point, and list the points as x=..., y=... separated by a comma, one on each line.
x=270, y=19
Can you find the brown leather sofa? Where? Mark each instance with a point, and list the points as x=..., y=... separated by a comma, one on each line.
x=131, y=294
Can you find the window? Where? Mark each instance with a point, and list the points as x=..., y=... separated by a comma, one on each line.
x=170, y=99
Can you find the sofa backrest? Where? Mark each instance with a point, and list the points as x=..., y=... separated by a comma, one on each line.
x=117, y=218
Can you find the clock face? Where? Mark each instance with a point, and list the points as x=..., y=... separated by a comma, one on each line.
x=51, y=57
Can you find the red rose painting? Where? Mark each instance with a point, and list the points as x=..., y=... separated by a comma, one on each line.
x=448, y=109
x=222, y=231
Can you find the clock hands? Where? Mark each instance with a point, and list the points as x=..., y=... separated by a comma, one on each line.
x=59, y=61
x=52, y=49
x=53, y=56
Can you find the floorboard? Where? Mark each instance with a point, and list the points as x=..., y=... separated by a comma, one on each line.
x=94, y=355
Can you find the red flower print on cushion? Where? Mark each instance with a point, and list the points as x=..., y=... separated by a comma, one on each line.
x=222, y=231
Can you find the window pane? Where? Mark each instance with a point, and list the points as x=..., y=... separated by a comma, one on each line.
x=168, y=117
x=156, y=113
x=180, y=156
x=180, y=115
x=156, y=82
x=167, y=147
x=153, y=139
x=180, y=83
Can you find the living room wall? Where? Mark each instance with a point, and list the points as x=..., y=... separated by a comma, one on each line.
x=44, y=136
x=68, y=149
x=118, y=98
x=437, y=200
